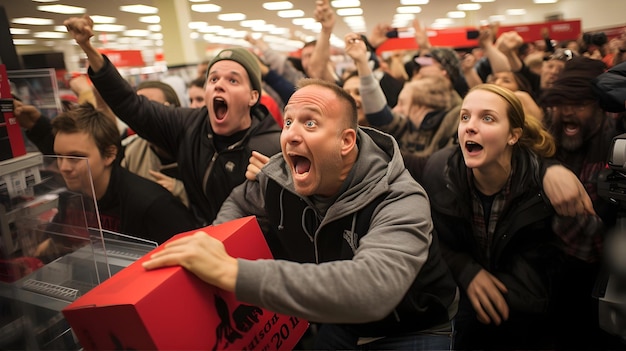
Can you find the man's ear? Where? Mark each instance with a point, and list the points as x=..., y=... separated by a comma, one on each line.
x=254, y=97
x=111, y=155
x=348, y=141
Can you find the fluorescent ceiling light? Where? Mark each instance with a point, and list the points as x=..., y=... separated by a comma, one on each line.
x=63, y=9
x=456, y=14
x=545, y=1
x=354, y=20
x=194, y=35
x=444, y=21
x=19, y=31
x=140, y=9
x=235, y=16
x=205, y=8
x=49, y=35
x=34, y=21
x=210, y=29
x=497, y=18
x=403, y=17
x=468, y=7
x=45, y=0
x=109, y=27
x=60, y=29
x=103, y=19
x=345, y=3
x=155, y=36
x=24, y=41
x=409, y=9
x=251, y=23
x=515, y=12
x=279, y=31
x=303, y=20
x=413, y=2
x=350, y=11
x=150, y=19
x=278, y=5
x=483, y=0
x=136, y=33
x=154, y=28
x=265, y=28
x=197, y=24
x=290, y=13
x=107, y=37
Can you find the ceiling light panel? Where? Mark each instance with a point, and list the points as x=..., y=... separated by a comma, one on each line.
x=204, y=8
x=19, y=31
x=278, y=5
x=345, y=3
x=468, y=7
x=235, y=16
x=109, y=28
x=413, y=2
x=290, y=13
x=62, y=9
x=409, y=9
x=515, y=12
x=103, y=19
x=49, y=35
x=351, y=11
x=150, y=19
x=33, y=20
x=140, y=9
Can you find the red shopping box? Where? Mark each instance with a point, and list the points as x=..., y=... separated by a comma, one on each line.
x=170, y=308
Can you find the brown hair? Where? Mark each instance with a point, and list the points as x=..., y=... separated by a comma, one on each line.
x=168, y=91
x=433, y=92
x=534, y=136
x=85, y=118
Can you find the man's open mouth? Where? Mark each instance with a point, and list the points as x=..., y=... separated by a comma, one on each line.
x=301, y=164
x=220, y=107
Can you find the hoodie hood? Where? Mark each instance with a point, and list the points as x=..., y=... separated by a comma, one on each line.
x=378, y=165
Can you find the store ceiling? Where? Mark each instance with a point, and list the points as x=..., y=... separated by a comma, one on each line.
x=374, y=11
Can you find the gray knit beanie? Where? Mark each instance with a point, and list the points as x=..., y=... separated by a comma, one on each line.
x=245, y=58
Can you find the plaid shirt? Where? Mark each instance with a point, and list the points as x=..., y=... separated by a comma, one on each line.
x=580, y=236
x=482, y=233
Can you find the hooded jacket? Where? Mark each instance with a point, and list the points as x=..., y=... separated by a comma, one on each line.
x=208, y=175
x=327, y=271
x=525, y=253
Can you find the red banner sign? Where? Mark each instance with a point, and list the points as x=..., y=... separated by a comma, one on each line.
x=125, y=58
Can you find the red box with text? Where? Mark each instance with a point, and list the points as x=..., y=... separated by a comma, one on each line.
x=170, y=308
x=11, y=139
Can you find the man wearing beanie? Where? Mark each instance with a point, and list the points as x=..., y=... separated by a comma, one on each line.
x=583, y=134
x=211, y=144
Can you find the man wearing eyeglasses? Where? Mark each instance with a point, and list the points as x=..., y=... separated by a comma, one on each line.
x=583, y=132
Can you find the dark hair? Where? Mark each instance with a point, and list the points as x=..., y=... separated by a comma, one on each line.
x=199, y=82
x=339, y=92
x=85, y=118
x=168, y=91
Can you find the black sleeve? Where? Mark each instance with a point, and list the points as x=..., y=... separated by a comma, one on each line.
x=41, y=135
x=167, y=217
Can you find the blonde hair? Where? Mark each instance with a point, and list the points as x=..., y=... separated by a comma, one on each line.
x=534, y=136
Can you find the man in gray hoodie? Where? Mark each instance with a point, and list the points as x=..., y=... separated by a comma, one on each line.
x=350, y=231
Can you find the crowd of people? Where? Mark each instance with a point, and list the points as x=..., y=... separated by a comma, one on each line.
x=431, y=200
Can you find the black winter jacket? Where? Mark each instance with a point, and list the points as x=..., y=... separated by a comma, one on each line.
x=525, y=252
x=208, y=175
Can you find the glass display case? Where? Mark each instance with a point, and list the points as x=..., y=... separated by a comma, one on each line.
x=53, y=250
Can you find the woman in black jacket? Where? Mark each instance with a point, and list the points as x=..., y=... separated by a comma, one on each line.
x=498, y=232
